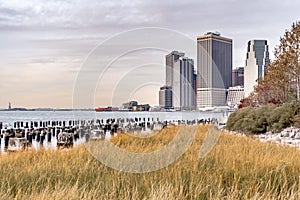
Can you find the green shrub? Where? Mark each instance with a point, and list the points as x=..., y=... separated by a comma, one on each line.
x=237, y=118
x=266, y=118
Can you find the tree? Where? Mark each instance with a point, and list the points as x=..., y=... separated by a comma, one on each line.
x=250, y=101
x=282, y=81
x=288, y=56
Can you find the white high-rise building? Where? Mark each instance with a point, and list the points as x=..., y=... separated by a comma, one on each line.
x=180, y=76
x=257, y=62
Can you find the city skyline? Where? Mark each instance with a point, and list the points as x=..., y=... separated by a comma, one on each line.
x=43, y=47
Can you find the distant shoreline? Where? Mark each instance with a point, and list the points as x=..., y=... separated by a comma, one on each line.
x=129, y=111
x=46, y=109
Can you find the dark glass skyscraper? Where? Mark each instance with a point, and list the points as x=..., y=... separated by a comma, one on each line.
x=214, y=60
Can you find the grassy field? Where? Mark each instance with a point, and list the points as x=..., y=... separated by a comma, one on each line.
x=237, y=168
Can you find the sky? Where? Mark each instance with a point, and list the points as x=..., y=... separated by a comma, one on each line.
x=45, y=45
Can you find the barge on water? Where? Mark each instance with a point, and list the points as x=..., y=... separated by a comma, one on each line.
x=107, y=109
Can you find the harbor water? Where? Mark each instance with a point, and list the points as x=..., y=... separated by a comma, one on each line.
x=9, y=119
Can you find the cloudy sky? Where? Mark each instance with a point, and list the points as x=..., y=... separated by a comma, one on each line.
x=45, y=44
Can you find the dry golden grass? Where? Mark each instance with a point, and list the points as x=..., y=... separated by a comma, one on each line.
x=237, y=168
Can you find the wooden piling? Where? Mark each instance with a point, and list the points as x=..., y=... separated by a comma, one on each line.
x=49, y=136
x=38, y=136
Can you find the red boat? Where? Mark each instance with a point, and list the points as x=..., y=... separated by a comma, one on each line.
x=109, y=108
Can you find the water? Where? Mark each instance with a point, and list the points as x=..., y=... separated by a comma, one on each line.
x=9, y=117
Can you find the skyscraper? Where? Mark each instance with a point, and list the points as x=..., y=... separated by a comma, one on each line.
x=180, y=76
x=238, y=77
x=214, y=58
x=165, y=97
x=257, y=62
x=171, y=58
x=187, y=94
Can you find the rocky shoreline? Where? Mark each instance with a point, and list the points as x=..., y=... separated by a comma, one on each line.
x=287, y=137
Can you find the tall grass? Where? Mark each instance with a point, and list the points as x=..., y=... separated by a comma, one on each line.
x=237, y=168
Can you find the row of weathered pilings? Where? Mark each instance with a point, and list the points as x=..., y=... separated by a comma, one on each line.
x=45, y=131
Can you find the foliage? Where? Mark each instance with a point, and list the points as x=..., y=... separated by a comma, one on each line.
x=249, y=101
x=265, y=118
x=280, y=86
x=282, y=81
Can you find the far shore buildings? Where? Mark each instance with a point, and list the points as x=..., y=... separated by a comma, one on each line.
x=135, y=106
x=214, y=71
x=257, y=62
x=180, y=83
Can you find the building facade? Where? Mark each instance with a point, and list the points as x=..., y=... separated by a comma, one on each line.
x=235, y=95
x=214, y=75
x=165, y=97
x=257, y=61
x=171, y=59
x=238, y=77
x=180, y=76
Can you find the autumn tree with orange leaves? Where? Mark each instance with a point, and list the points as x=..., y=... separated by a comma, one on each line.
x=282, y=81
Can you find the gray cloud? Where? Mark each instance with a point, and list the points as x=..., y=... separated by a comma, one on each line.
x=59, y=34
x=127, y=14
